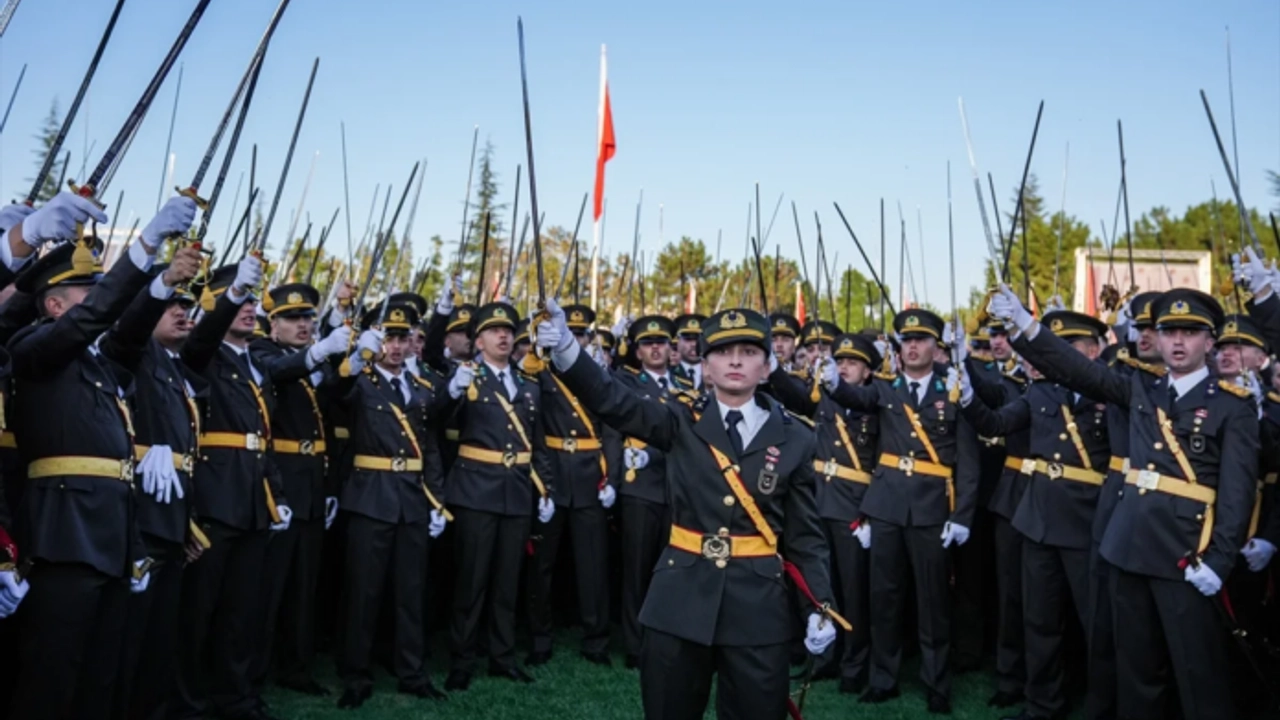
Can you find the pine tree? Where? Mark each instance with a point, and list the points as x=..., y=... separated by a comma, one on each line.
x=45, y=138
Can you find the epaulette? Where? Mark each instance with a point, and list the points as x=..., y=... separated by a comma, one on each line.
x=1274, y=396
x=520, y=373
x=801, y=418
x=1136, y=364
x=1234, y=389
x=886, y=376
x=802, y=374
x=632, y=370
x=1018, y=379
x=698, y=403
x=422, y=381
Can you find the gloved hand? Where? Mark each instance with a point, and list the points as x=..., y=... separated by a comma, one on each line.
x=436, y=527
x=959, y=378
x=14, y=213
x=598, y=354
x=961, y=345
x=830, y=375
x=1005, y=305
x=57, y=219
x=159, y=478
x=173, y=220
x=248, y=275
x=546, y=509
x=1204, y=578
x=608, y=496
x=140, y=584
x=1249, y=381
x=444, y=303
x=1250, y=271
x=553, y=333
x=335, y=343
x=1055, y=303
x=330, y=511
x=461, y=380
x=635, y=458
x=863, y=533
x=954, y=533
x=12, y=590
x=1258, y=553
x=370, y=340
x=1124, y=319
x=620, y=328
x=285, y=516
x=819, y=635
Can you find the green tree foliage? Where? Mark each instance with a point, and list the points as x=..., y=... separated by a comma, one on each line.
x=48, y=133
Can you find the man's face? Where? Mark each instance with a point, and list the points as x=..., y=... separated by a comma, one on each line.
x=801, y=357
x=1254, y=357
x=582, y=337
x=654, y=354
x=416, y=339
x=394, y=349
x=737, y=369
x=519, y=351
x=687, y=345
x=784, y=348
x=1089, y=347
x=816, y=350
x=852, y=370
x=918, y=352
x=940, y=355
x=246, y=320
x=1000, y=348
x=62, y=299
x=174, y=326
x=1148, y=347
x=459, y=345
x=1184, y=350
x=495, y=343
x=294, y=332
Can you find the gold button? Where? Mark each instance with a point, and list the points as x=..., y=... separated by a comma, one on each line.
x=837, y=443
x=510, y=428
x=721, y=564
x=1159, y=446
x=575, y=414
x=1142, y=491
x=1057, y=456
x=1199, y=517
x=671, y=562
x=723, y=532
x=98, y=384
x=508, y=446
x=1062, y=436
x=913, y=434
x=235, y=376
x=729, y=500
x=1151, y=466
x=573, y=433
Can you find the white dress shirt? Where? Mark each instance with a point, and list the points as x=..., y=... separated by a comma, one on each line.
x=1186, y=383
x=694, y=371
x=403, y=377
x=922, y=388
x=753, y=418
x=656, y=377
x=244, y=351
x=507, y=380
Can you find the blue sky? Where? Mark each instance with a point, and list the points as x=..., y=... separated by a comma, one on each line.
x=846, y=101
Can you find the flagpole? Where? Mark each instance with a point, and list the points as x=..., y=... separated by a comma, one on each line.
x=595, y=225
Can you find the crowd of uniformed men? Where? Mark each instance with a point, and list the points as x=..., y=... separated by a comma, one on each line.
x=186, y=455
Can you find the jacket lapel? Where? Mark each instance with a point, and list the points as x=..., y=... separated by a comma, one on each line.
x=771, y=434
x=712, y=431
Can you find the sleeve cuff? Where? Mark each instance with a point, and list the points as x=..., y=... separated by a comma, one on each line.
x=140, y=257
x=159, y=290
x=235, y=296
x=564, y=359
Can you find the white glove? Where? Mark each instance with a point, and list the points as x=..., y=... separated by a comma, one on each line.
x=1275, y=275
x=1257, y=553
x=553, y=333
x=248, y=275
x=58, y=218
x=139, y=585
x=159, y=478
x=1250, y=271
x=444, y=303
x=1055, y=303
x=1005, y=305
x=620, y=328
x=330, y=511
x=607, y=496
x=958, y=378
x=1249, y=381
x=546, y=509
x=954, y=533
x=598, y=355
x=461, y=380
x=635, y=458
x=1204, y=578
x=437, y=524
x=819, y=635
x=14, y=213
x=863, y=533
x=335, y=343
x=12, y=590
x=285, y=516
x=884, y=348
x=173, y=220
x=370, y=340
x=830, y=375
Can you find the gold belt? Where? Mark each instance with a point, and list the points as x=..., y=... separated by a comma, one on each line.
x=234, y=441
x=831, y=468
x=1056, y=471
x=1268, y=479
x=298, y=447
x=720, y=546
x=572, y=445
x=1026, y=466
x=185, y=463
x=1146, y=480
x=452, y=435
x=911, y=465
x=8, y=440
x=79, y=465
x=385, y=464
x=341, y=433
x=494, y=457
x=1119, y=464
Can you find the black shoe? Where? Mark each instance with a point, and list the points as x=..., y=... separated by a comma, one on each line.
x=939, y=704
x=852, y=685
x=632, y=662
x=457, y=680
x=875, y=696
x=538, y=657
x=597, y=658
x=353, y=698
x=304, y=685
x=514, y=674
x=426, y=691
x=1004, y=699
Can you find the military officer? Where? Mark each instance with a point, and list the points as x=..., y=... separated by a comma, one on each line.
x=817, y=336
x=448, y=337
x=785, y=330
x=740, y=472
x=688, y=361
x=1185, y=507
x=921, y=502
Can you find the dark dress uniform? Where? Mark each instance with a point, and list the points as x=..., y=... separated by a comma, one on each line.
x=394, y=485
x=848, y=443
x=1069, y=452
x=1166, y=514
x=75, y=429
x=166, y=402
x=719, y=601
x=238, y=492
x=502, y=468
x=912, y=496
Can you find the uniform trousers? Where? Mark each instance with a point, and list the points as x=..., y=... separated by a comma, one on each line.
x=489, y=549
x=675, y=679
x=287, y=638
x=1011, y=666
x=646, y=530
x=587, y=528
x=971, y=565
x=1100, y=703
x=1050, y=575
x=851, y=575
x=149, y=651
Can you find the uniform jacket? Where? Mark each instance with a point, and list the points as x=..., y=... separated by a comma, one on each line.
x=648, y=483
x=579, y=473
x=996, y=386
x=298, y=414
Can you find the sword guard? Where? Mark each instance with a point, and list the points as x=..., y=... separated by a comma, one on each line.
x=86, y=191
x=190, y=192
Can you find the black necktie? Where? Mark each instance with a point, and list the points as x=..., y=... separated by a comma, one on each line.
x=1173, y=395
x=502, y=380
x=395, y=386
x=732, y=418
x=914, y=387
x=662, y=383
x=243, y=359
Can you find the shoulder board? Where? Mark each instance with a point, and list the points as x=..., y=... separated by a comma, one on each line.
x=802, y=374
x=368, y=370
x=633, y=371
x=683, y=381
x=520, y=373
x=699, y=402
x=1234, y=389
x=1274, y=396
x=1015, y=378
x=886, y=376
x=1145, y=367
x=421, y=381
x=801, y=418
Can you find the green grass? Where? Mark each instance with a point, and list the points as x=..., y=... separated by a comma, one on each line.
x=569, y=688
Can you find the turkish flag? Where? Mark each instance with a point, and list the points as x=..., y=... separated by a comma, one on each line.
x=608, y=145
x=800, y=304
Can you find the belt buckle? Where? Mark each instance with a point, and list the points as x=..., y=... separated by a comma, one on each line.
x=1148, y=480
x=307, y=447
x=715, y=547
x=1028, y=466
x=1124, y=468
x=571, y=445
x=399, y=464
x=187, y=464
x=252, y=441
x=907, y=464
x=1054, y=470
x=830, y=468
x=508, y=459
x=126, y=471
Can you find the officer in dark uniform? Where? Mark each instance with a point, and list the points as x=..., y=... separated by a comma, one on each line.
x=300, y=452
x=920, y=503
x=740, y=472
x=1185, y=507
x=72, y=420
x=1069, y=449
x=687, y=354
x=817, y=336
x=785, y=330
x=502, y=476
x=576, y=441
x=394, y=503
x=239, y=500
x=448, y=337
x=848, y=443
x=608, y=344
x=146, y=342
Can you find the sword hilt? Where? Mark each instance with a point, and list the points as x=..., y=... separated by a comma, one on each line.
x=191, y=192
